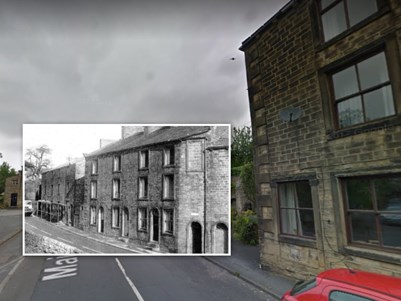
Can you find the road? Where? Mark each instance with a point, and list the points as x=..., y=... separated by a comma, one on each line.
x=117, y=278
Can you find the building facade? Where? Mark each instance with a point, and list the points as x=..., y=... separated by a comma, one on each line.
x=325, y=99
x=13, y=191
x=62, y=193
x=162, y=187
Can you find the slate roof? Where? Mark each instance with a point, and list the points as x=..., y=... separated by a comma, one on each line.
x=163, y=135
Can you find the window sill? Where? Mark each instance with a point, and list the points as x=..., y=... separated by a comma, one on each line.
x=116, y=171
x=299, y=241
x=143, y=230
x=143, y=199
x=115, y=227
x=115, y=199
x=169, y=166
x=168, y=199
x=94, y=174
x=92, y=225
x=364, y=128
x=387, y=256
x=168, y=234
x=144, y=169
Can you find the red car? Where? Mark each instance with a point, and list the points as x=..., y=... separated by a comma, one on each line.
x=346, y=285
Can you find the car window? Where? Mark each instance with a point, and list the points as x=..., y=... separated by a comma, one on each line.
x=343, y=296
x=303, y=286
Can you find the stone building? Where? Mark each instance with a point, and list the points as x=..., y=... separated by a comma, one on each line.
x=62, y=193
x=13, y=191
x=325, y=99
x=166, y=188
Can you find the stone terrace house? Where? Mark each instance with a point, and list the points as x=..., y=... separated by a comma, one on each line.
x=325, y=99
x=163, y=187
x=62, y=193
x=13, y=191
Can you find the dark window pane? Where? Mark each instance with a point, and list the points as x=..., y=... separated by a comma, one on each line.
x=345, y=82
x=304, y=195
x=373, y=71
x=288, y=221
x=359, y=10
x=388, y=193
x=334, y=21
x=379, y=103
x=391, y=229
x=363, y=228
x=359, y=196
x=350, y=112
x=326, y=3
x=307, y=223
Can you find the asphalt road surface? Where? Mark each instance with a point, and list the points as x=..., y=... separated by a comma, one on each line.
x=125, y=278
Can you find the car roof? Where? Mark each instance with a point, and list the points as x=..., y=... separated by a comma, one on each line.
x=381, y=283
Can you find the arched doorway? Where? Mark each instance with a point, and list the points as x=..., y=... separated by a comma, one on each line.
x=154, y=225
x=125, y=224
x=221, y=239
x=196, y=237
x=100, y=228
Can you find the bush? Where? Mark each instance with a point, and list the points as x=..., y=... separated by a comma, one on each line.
x=245, y=227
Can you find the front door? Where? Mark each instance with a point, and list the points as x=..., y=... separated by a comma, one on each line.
x=196, y=238
x=155, y=225
x=13, y=202
x=125, y=224
x=101, y=220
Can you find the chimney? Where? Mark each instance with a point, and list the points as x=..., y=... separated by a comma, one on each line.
x=130, y=130
x=150, y=129
x=104, y=142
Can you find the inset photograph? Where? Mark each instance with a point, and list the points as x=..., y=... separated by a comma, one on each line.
x=107, y=189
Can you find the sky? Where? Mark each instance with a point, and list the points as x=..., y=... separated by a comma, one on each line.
x=123, y=61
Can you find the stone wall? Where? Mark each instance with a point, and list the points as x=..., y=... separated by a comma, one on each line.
x=286, y=67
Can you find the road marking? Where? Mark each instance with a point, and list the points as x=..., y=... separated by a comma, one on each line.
x=70, y=242
x=62, y=271
x=11, y=262
x=137, y=294
x=90, y=249
x=3, y=284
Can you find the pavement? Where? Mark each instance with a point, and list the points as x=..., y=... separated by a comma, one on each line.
x=9, y=226
x=244, y=263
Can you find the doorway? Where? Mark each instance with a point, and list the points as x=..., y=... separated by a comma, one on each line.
x=221, y=239
x=125, y=224
x=14, y=197
x=196, y=238
x=154, y=231
x=101, y=220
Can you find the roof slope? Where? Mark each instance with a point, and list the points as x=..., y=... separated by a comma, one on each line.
x=163, y=135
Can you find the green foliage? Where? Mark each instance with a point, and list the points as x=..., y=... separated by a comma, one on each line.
x=5, y=172
x=245, y=227
x=248, y=181
x=241, y=146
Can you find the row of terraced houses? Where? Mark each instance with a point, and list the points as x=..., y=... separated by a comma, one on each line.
x=166, y=188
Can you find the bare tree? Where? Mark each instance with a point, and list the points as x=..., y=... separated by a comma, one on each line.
x=36, y=160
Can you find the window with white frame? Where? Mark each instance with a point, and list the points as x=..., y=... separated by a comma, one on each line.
x=143, y=187
x=339, y=15
x=115, y=218
x=168, y=221
x=94, y=167
x=144, y=159
x=116, y=163
x=168, y=187
x=116, y=188
x=92, y=215
x=362, y=92
x=296, y=209
x=93, y=189
x=168, y=156
x=142, y=219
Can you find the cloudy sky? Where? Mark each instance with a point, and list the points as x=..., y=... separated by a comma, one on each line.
x=123, y=61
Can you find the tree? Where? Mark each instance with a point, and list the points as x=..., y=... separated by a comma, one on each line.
x=5, y=172
x=241, y=146
x=36, y=160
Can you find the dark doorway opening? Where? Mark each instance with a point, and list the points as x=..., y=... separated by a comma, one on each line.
x=155, y=214
x=14, y=197
x=196, y=238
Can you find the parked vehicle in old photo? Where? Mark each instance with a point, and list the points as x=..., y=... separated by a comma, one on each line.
x=28, y=209
x=346, y=285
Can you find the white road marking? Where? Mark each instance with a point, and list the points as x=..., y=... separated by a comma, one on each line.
x=90, y=249
x=11, y=262
x=70, y=242
x=3, y=284
x=137, y=294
